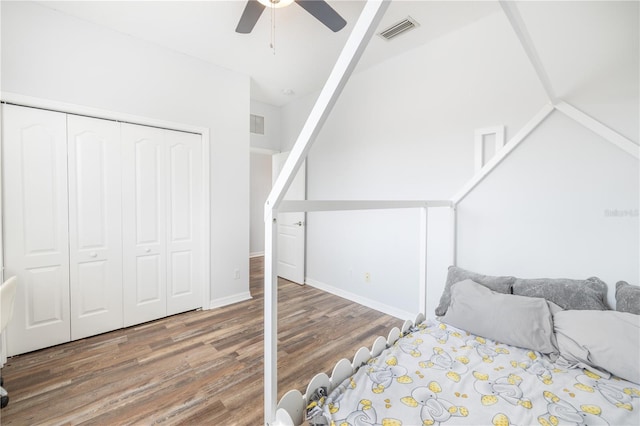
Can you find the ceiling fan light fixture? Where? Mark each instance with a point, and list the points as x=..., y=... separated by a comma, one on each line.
x=319, y=9
x=276, y=4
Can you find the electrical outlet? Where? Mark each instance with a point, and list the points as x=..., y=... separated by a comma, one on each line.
x=236, y=274
x=367, y=277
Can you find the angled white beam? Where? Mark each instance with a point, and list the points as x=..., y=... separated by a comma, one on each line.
x=504, y=152
x=356, y=43
x=362, y=32
x=515, y=19
x=511, y=11
x=595, y=126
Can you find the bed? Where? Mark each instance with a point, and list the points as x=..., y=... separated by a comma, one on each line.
x=546, y=352
x=502, y=351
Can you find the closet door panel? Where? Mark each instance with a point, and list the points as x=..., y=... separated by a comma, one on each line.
x=184, y=207
x=93, y=298
x=144, y=223
x=35, y=226
x=95, y=230
x=149, y=275
x=45, y=304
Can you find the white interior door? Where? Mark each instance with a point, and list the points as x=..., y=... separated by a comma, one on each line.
x=291, y=226
x=144, y=232
x=35, y=226
x=95, y=230
x=184, y=239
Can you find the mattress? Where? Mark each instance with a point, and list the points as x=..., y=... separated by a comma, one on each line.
x=437, y=374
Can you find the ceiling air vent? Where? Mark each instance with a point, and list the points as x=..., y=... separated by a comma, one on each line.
x=398, y=28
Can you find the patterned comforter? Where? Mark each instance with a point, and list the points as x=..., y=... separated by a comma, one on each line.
x=440, y=375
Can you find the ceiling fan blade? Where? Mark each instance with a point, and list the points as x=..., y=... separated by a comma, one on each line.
x=252, y=12
x=324, y=13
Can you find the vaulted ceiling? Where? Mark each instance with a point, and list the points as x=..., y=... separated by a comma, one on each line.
x=584, y=46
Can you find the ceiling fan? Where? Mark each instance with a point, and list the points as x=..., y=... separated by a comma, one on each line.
x=318, y=8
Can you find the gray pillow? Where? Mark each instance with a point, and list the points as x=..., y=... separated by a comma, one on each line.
x=608, y=340
x=456, y=274
x=515, y=320
x=627, y=298
x=588, y=294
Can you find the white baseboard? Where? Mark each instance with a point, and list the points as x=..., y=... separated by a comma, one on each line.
x=229, y=300
x=381, y=307
x=256, y=254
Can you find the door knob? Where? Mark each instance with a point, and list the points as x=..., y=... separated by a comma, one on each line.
x=299, y=223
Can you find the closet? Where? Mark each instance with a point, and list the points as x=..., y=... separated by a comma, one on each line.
x=162, y=182
x=101, y=224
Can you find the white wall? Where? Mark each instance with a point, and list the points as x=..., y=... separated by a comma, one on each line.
x=260, y=188
x=404, y=130
x=272, y=137
x=262, y=147
x=50, y=55
x=293, y=117
x=547, y=210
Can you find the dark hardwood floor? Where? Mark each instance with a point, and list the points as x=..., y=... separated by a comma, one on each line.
x=200, y=367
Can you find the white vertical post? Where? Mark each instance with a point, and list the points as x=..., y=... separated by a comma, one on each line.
x=3, y=336
x=424, y=224
x=454, y=234
x=1, y=209
x=270, y=316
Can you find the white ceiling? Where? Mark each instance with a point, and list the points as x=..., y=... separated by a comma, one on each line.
x=305, y=50
x=589, y=49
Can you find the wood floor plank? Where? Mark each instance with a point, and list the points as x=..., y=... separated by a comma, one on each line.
x=200, y=367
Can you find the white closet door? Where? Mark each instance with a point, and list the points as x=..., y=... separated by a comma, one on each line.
x=35, y=226
x=144, y=184
x=95, y=232
x=184, y=282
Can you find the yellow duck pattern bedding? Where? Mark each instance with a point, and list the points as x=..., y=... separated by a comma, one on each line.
x=440, y=375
